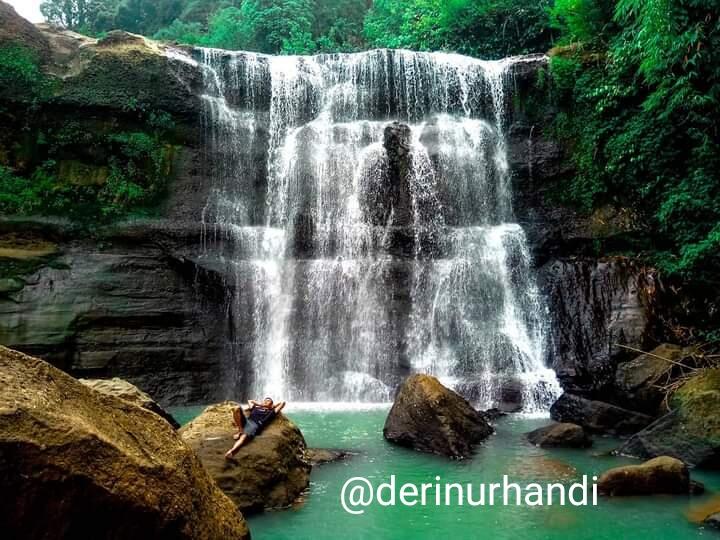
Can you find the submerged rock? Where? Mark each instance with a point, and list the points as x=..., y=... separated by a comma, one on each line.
x=271, y=471
x=598, y=416
x=702, y=512
x=660, y=475
x=539, y=468
x=320, y=456
x=430, y=418
x=713, y=521
x=691, y=432
x=560, y=435
x=122, y=389
x=76, y=463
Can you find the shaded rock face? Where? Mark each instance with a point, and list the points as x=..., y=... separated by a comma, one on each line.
x=691, y=432
x=430, y=418
x=560, y=435
x=660, y=475
x=595, y=306
x=95, y=466
x=129, y=392
x=397, y=145
x=271, y=471
x=598, y=416
x=132, y=308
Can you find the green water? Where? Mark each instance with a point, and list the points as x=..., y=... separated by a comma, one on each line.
x=322, y=517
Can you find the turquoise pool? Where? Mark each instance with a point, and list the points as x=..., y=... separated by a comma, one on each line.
x=321, y=516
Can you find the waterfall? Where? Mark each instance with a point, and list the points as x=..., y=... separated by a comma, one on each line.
x=362, y=204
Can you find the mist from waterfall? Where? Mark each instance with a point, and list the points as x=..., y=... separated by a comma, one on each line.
x=338, y=295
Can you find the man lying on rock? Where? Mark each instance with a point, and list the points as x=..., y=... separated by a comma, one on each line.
x=261, y=414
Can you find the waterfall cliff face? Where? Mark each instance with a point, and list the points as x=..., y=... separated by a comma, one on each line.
x=363, y=203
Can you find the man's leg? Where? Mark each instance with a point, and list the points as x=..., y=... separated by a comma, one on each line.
x=239, y=421
x=241, y=440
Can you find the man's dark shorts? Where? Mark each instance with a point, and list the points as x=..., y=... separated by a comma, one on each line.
x=251, y=429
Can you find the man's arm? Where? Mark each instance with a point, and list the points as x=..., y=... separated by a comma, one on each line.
x=279, y=407
x=252, y=404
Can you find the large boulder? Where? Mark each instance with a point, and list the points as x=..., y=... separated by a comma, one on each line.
x=271, y=471
x=122, y=389
x=598, y=416
x=430, y=418
x=638, y=380
x=660, y=475
x=75, y=463
x=691, y=432
x=560, y=435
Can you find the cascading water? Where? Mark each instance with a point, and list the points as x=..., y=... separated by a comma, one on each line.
x=364, y=249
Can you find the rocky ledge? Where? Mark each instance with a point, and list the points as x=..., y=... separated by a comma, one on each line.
x=96, y=466
x=129, y=392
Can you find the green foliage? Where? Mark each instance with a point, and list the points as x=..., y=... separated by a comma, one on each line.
x=130, y=179
x=189, y=33
x=585, y=21
x=484, y=28
x=86, y=16
x=39, y=194
x=146, y=16
x=641, y=106
x=20, y=74
x=278, y=26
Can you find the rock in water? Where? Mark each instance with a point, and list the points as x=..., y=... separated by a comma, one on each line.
x=129, y=392
x=713, y=521
x=75, y=463
x=320, y=456
x=560, y=435
x=691, y=432
x=660, y=475
x=598, y=416
x=430, y=418
x=268, y=472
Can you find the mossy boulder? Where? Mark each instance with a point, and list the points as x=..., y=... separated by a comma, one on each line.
x=269, y=472
x=129, y=72
x=691, y=432
x=638, y=380
x=660, y=475
x=122, y=389
x=428, y=417
x=75, y=463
